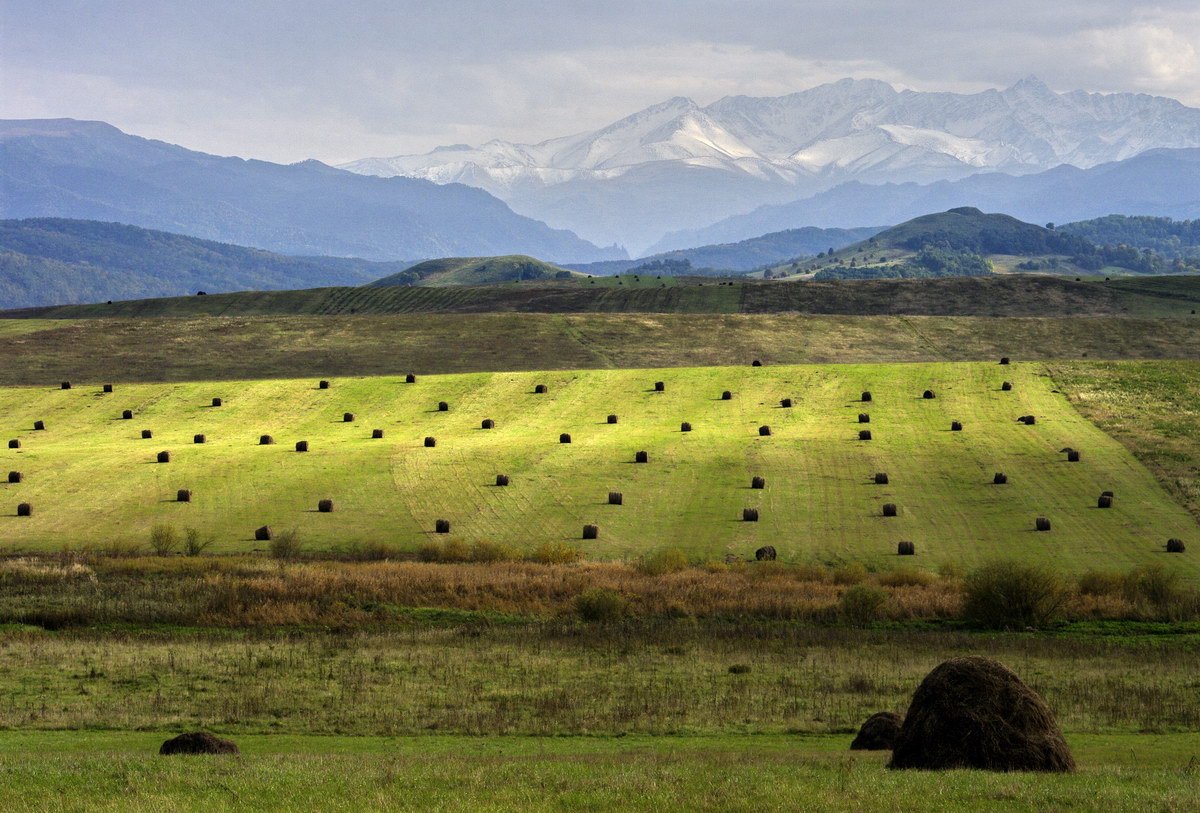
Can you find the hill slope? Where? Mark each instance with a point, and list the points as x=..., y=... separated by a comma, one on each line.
x=90, y=170
x=1170, y=238
x=49, y=261
x=475, y=271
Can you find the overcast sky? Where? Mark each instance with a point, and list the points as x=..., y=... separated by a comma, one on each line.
x=286, y=81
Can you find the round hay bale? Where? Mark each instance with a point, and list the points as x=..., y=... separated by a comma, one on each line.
x=758, y=482
x=660, y=386
x=1106, y=494
x=591, y=531
x=1073, y=456
x=889, y=509
x=685, y=427
x=1004, y=359
x=1028, y=420
x=541, y=389
x=441, y=526
x=766, y=553
x=164, y=457
x=616, y=498
x=347, y=417
x=863, y=417
x=906, y=549
x=756, y=363
x=1104, y=502
x=866, y=396
x=265, y=440
x=487, y=423
x=147, y=434
x=928, y=395
x=974, y=712
x=764, y=431
x=1042, y=524
x=66, y=385
x=325, y=506
x=641, y=457
x=878, y=733
x=864, y=434
x=410, y=379
x=107, y=388
x=127, y=415
x=14, y=444
x=302, y=446
x=197, y=742
x=749, y=515
x=612, y=418
x=322, y=384
x=1000, y=479
x=1175, y=546
x=24, y=510
x=726, y=396
x=955, y=426
x=376, y=434
x=1006, y=386
x=262, y=534
x=786, y=403
x=183, y=495
x=199, y=439
x=564, y=438
x=216, y=402
x=39, y=426
x=443, y=406
x=501, y=479
x=430, y=442
x=15, y=477
x=881, y=478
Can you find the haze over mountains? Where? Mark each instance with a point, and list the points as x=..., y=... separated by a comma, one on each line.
x=678, y=165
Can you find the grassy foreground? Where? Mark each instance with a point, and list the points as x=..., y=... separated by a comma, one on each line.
x=93, y=480
x=118, y=772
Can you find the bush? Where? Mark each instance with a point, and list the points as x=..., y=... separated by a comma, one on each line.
x=667, y=560
x=1010, y=595
x=1101, y=583
x=600, y=605
x=1152, y=584
x=285, y=545
x=853, y=573
x=814, y=573
x=555, y=553
x=164, y=540
x=739, y=669
x=369, y=552
x=195, y=543
x=862, y=603
x=486, y=551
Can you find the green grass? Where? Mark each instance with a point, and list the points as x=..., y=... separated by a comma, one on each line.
x=93, y=481
x=121, y=772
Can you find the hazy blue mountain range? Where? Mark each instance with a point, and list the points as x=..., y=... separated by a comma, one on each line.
x=93, y=171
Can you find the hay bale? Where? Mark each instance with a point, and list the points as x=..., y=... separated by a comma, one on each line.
x=756, y=363
x=302, y=446
x=881, y=478
x=1104, y=502
x=441, y=526
x=889, y=509
x=1073, y=456
x=565, y=437
x=864, y=434
x=487, y=423
x=758, y=482
x=612, y=418
x=216, y=402
x=410, y=379
x=591, y=531
x=147, y=434
x=347, y=417
x=906, y=549
x=197, y=742
x=66, y=385
x=1028, y=420
x=786, y=403
x=660, y=386
x=866, y=396
x=1004, y=359
x=24, y=510
x=726, y=396
x=39, y=426
x=107, y=388
x=443, y=406
x=863, y=417
x=641, y=457
x=749, y=515
x=1006, y=386
x=198, y=439
x=955, y=426
x=1175, y=546
x=878, y=733
x=15, y=477
x=127, y=415
x=1000, y=479
x=764, y=431
x=262, y=534
x=1106, y=494
x=928, y=395
x=541, y=389
x=325, y=506
x=14, y=444
x=164, y=457
x=376, y=434
x=616, y=498
x=973, y=712
x=430, y=442
x=1042, y=524
x=766, y=553
x=265, y=440
x=322, y=384
x=685, y=427
x=183, y=495
x=501, y=479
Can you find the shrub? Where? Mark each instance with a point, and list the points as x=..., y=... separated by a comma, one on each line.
x=285, y=545
x=862, y=603
x=853, y=573
x=667, y=560
x=1152, y=584
x=195, y=543
x=555, y=553
x=739, y=669
x=1008, y=595
x=600, y=604
x=487, y=551
x=164, y=539
x=1101, y=583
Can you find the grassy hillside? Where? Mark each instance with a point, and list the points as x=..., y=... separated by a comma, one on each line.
x=475, y=271
x=93, y=480
x=1170, y=238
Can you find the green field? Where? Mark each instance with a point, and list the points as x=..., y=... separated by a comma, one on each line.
x=93, y=481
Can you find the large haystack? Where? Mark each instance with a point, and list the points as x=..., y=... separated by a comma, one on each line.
x=973, y=712
x=198, y=742
x=878, y=733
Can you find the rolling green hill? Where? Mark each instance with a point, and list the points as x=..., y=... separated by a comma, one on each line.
x=1171, y=238
x=476, y=271
x=94, y=481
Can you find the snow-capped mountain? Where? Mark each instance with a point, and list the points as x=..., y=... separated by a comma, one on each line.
x=679, y=165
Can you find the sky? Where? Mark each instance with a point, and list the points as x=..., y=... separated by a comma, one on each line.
x=286, y=81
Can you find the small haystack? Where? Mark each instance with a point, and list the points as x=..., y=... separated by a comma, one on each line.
x=1175, y=546
x=322, y=384
x=24, y=510
x=197, y=742
x=347, y=417
x=1104, y=501
x=591, y=531
x=15, y=477
x=878, y=733
x=164, y=457
x=14, y=444
x=66, y=385
x=1004, y=359
x=199, y=439
x=616, y=498
x=906, y=549
x=266, y=440
x=1042, y=524
x=147, y=434
x=641, y=457
x=501, y=479
x=866, y=396
x=612, y=418
x=864, y=434
x=928, y=395
x=863, y=417
x=262, y=534
x=766, y=553
x=660, y=386
x=443, y=406
x=541, y=389
x=685, y=427
x=325, y=506
x=107, y=388
x=127, y=415
x=758, y=482
x=764, y=431
x=565, y=437
x=302, y=446
x=881, y=478
x=430, y=442
x=216, y=402
x=999, y=479
x=39, y=426
x=786, y=403
x=1006, y=386
x=749, y=515
x=487, y=423
x=376, y=434
x=441, y=526
x=756, y=363
x=410, y=379
x=726, y=396
x=183, y=495
x=889, y=509
x=955, y=426
x=1073, y=456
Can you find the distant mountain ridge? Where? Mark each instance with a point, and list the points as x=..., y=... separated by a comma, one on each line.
x=619, y=182
x=91, y=170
